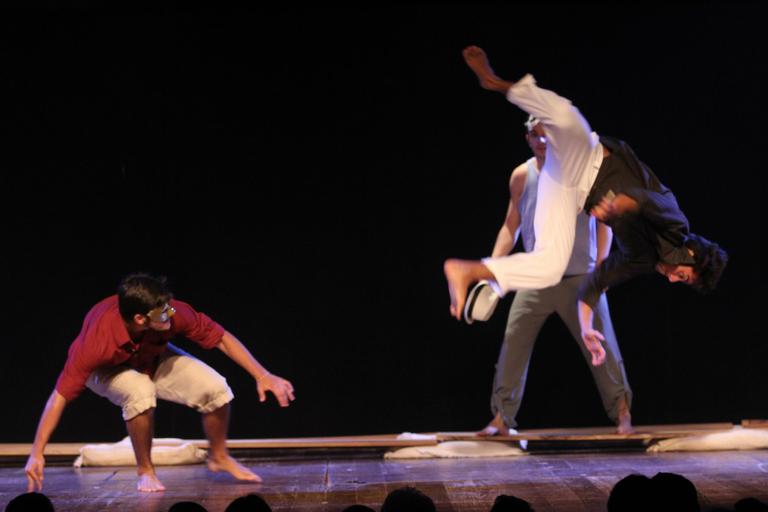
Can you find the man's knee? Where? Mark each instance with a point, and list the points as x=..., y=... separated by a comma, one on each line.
x=141, y=397
x=213, y=393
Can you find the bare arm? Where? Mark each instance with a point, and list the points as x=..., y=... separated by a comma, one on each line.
x=604, y=240
x=589, y=335
x=48, y=422
x=505, y=240
x=265, y=381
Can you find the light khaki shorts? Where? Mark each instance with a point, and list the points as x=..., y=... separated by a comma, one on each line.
x=179, y=378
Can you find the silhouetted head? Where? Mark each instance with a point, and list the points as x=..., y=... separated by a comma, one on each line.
x=631, y=494
x=30, y=502
x=408, y=499
x=249, y=503
x=358, y=508
x=506, y=503
x=187, y=506
x=750, y=505
x=675, y=493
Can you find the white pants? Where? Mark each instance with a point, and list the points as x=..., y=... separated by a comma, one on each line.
x=179, y=378
x=572, y=161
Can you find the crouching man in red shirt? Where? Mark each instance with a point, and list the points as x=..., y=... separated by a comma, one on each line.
x=123, y=354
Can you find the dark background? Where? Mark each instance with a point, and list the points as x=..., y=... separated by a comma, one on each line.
x=300, y=175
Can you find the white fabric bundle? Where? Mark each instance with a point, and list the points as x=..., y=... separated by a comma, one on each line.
x=736, y=439
x=456, y=449
x=165, y=452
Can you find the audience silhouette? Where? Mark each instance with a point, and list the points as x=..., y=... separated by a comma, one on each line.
x=507, y=503
x=673, y=492
x=187, y=506
x=631, y=494
x=750, y=505
x=407, y=499
x=249, y=503
x=30, y=502
x=664, y=492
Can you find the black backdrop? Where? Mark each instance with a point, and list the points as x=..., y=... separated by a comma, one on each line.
x=301, y=174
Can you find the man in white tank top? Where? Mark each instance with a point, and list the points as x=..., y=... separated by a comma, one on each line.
x=531, y=308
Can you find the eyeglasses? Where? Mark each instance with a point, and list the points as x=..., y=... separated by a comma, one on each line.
x=162, y=313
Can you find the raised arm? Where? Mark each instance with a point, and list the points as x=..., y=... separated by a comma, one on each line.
x=569, y=135
x=265, y=381
x=48, y=422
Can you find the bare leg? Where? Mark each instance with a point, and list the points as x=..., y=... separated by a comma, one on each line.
x=478, y=62
x=625, y=418
x=141, y=429
x=460, y=274
x=215, y=425
x=495, y=428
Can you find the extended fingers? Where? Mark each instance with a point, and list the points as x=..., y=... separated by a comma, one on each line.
x=283, y=392
x=598, y=355
x=34, y=481
x=288, y=392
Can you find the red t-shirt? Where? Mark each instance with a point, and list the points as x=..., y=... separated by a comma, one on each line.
x=104, y=341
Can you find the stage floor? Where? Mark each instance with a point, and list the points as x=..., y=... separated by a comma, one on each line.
x=563, y=482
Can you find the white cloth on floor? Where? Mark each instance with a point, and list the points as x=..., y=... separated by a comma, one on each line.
x=456, y=449
x=165, y=452
x=410, y=436
x=737, y=438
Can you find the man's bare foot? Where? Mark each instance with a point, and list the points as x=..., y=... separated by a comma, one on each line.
x=478, y=62
x=234, y=468
x=148, y=482
x=625, y=419
x=495, y=428
x=458, y=274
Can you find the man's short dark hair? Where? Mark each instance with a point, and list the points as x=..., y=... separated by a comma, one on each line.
x=138, y=294
x=710, y=262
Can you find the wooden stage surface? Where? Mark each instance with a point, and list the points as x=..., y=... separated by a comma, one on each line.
x=328, y=474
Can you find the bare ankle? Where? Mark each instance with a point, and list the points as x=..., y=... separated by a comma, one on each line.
x=150, y=471
x=218, y=457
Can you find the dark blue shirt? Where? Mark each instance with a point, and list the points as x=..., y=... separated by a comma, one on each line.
x=656, y=232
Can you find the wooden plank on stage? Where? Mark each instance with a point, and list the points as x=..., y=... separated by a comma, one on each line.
x=374, y=441
x=754, y=423
x=646, y=432
x=53, y=449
